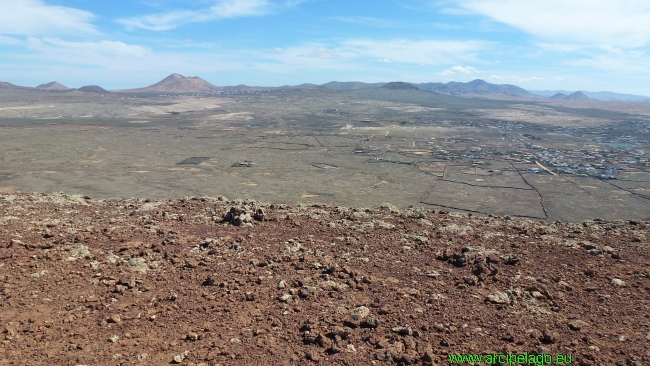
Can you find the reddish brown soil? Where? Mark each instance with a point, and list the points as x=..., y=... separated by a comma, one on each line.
x=133, y=282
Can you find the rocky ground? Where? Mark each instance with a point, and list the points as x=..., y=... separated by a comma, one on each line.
x=208, y=281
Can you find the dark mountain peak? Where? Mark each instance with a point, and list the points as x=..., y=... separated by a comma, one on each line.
x=175, y=83
x=399, y=85
x=175, y=76
x=558, y=96
x=93, y=89
x=6, y=85
x=477, y=86
x=477, y=82
x=350, y=85
x=577, y=96
x=52, y=86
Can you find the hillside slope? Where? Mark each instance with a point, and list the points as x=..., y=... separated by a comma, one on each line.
x=159, y=282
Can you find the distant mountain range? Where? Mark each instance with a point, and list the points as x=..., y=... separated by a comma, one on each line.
x=603, y=95
x=179, y=84
x=476, y=87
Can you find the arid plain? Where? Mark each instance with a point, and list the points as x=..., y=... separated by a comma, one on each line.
x=357, y=147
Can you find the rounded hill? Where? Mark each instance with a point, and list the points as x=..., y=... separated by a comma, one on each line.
x=399, y=85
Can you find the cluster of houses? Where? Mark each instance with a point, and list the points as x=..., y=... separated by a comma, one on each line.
x=612, y=152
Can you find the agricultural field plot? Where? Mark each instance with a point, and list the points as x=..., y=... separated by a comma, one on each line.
x=576, y=199
x=635, y=183
x=484, y=200
x=490, y=173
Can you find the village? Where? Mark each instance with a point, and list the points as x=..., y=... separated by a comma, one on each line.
x=607, y=154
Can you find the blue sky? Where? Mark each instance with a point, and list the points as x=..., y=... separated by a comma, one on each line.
x=537, y=44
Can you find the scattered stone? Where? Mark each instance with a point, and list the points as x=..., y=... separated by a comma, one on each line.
x=180, y=357
x=238, y=216
x=359, y=313
x=445, y=254
x=470, y=280
x=13, y=242
x=191, y=263
x=114, y=319
x=330, y=285
x=259, y=214
x=403, y=331
x=618, y=282
x=596, y=252
x=79, y=252
x=285, y=298
x=438, y=297
x=371, y=322
x=565, y=286
x=313, y=356
x=499, y=298
x=408, y=359
x=548, y=337
x=460, y=260
x=119, y=289
x=292, y=246
x=536, y=294
x=138, y=264
x=511, y=259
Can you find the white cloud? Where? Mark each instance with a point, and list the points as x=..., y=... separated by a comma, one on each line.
x=222, y=9
x=631, y=62
x=514, y=78
x=447, y=26
x=311, y=56
x=355, y=54
x=321, y=53
x=9, y=40
x=370, y=21
x=104, y=53
x=460, y=70
x=428, y=52
x=35, y=17
x=290, y=3
x=120, y=56
x=625, y=23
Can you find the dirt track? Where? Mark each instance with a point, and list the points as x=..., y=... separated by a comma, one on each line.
x=133, y=282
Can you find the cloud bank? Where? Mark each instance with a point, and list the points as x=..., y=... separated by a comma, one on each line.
x=35, y=17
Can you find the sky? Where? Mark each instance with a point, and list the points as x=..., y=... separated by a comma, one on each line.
x=592, y=45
